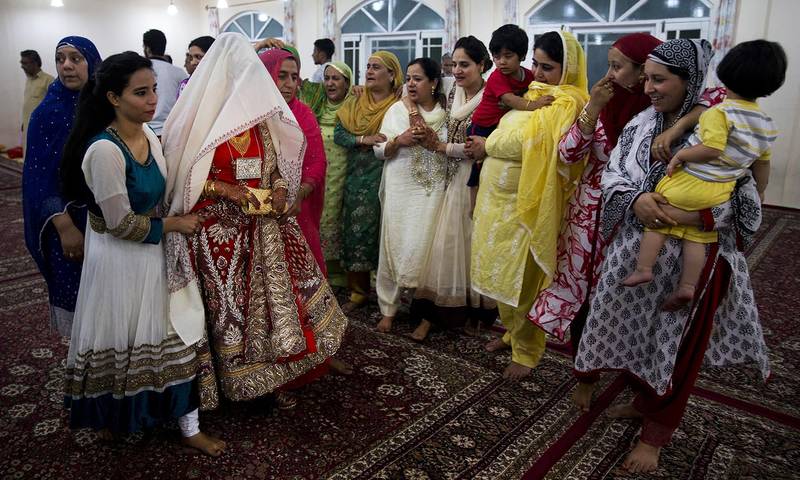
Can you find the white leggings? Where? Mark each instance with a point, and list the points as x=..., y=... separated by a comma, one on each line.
x=190, y=423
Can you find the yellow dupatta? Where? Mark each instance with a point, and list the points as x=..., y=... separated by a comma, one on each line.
x=545, y=183
x=363, y=116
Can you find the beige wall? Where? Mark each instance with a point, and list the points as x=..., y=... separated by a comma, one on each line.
x=776, y=20
x=114, y=26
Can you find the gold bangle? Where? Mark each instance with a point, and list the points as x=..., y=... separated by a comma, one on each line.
x=360, y=140
x=585, y=122
x=280, y=183
x=527, y=104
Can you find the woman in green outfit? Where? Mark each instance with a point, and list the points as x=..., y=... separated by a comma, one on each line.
x=359, y=120
x=325, y=99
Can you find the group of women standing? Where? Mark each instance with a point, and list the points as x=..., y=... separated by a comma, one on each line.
x=258, y=196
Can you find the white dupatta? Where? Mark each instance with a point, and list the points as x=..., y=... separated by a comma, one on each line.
x=229, y=92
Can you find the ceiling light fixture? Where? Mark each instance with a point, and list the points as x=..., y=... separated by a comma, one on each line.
x=172, y=9
x=56, y=3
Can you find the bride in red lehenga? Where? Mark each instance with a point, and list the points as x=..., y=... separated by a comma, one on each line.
x=246, y=288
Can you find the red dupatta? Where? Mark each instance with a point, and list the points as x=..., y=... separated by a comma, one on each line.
x=314, y=161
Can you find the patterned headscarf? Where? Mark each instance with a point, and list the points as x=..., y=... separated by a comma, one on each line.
x=362, y=115
x=692, y=56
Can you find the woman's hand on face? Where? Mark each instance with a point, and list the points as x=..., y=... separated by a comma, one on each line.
x=661, y=147
x=406, y=139
x=370, y=140
x=648, y=209
x=475, y=147
x=601, y=93
x=72, y=244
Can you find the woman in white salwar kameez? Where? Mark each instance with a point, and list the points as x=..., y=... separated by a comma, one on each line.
x=412, y=187
x=127, y=369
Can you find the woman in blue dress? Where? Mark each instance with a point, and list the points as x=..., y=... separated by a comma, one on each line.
x=54, y=228
x=127, y=369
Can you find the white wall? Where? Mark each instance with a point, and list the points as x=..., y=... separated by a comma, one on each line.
x=776, y=20
x=113, y=26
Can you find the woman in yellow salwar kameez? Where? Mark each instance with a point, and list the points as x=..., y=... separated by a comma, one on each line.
x=523, y=191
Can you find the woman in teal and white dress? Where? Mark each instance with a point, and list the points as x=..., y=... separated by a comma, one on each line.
x=127, y=368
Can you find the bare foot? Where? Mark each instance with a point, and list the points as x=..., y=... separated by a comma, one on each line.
x=496, y=344
x=516, y=372
x=339, y=367
x=582, y=396
x=385, y=325
x=642, y=459
x=638, y=277
x=626, y=410
x=285, y=400
x=679, y=298
x=350, y=306
x=105, y=435
x=207, y=444
x=421, y=332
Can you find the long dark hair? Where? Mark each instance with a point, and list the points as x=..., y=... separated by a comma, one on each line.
x=433, y=71
x=94, y=114
x=475, y=50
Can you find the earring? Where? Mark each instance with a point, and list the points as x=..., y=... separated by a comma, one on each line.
x=433, y=90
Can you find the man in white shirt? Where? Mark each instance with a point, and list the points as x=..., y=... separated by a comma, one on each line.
x=323, y=53
x=168, y=76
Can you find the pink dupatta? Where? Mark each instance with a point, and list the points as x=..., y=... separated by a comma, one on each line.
x=314, y=161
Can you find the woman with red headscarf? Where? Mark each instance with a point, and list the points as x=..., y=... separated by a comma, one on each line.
x=614, y=100
x=284, y=68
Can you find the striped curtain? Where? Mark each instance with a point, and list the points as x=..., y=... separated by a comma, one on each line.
x=329, y=21
x=451, y=26
x=723, y=26
x=288, y=21
x=213, y=21
x=510, y=11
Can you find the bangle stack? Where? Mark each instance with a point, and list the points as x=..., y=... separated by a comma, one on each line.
x=280, y=183
x=585, y=122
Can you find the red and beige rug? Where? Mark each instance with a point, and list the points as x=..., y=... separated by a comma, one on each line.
x=439, y=410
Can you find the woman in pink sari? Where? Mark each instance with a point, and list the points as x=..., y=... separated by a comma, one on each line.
x=284, y=69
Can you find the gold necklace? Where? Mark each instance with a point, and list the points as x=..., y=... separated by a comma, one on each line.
x=241, y=142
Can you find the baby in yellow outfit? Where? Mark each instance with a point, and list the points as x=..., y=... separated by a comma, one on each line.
x=731, y=138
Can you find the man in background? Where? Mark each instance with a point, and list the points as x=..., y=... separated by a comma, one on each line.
x=447, y=65
x=323, y=53
x=36, y=83
x=168, y=76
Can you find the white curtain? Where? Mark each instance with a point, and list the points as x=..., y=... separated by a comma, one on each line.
x=510, y=11
x=213, y=21
x=329, y=21
x=723, y=26
x=288, y=21
x=451, y=26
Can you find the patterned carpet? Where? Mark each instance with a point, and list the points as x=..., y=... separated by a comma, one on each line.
x=438, y=410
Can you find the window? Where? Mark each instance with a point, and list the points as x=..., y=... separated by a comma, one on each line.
x=255, y=26
x=597, y=24
x=407, y=28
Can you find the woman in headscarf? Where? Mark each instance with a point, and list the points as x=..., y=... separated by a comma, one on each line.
x=626, y=329
x=235, y=155
x=614, y=100
x=523, y=192
x=54, y=227
x=284, y=69
x=357, y=129
x=126, y=369
x=325, y=99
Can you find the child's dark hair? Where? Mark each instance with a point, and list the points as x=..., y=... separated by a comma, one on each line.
x=93, y=115
x=433, y=71
x=156, y=41
x=476, y=50
x=510, y=37
x=325, y=45
x=753, y=69
x=551, y=44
